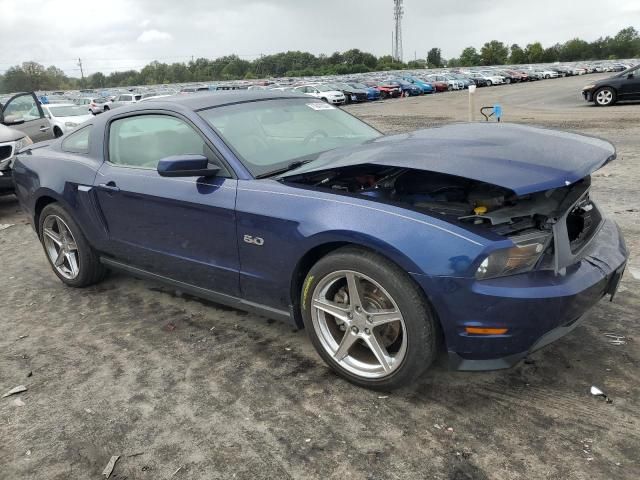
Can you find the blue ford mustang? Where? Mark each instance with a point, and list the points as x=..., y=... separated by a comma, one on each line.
x=475, y=239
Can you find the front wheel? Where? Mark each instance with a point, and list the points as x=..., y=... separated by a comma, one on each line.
x=368, y=320
x=605, y=97
x=489, y=83
x=70, y=255
x=507, y=81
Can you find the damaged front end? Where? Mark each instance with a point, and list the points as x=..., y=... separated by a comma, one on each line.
x=549, y=229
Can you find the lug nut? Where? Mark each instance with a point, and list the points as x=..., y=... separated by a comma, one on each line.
x=367, y=331
x=354, y=329
x=369, y=319
x=349, y=315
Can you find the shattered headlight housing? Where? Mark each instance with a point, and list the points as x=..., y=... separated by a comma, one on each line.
x=23, y=142
x=520, y=258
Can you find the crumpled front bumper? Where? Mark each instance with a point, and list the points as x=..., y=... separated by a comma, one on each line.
x=537, y=308
x=6, y=181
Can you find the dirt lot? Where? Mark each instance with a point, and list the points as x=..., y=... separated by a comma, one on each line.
x=188, y=390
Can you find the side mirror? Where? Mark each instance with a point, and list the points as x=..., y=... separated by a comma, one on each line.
x=13, y=120
x=187, y=166
x=630, y=76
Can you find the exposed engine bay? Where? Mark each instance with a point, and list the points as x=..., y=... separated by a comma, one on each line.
x=461, y=199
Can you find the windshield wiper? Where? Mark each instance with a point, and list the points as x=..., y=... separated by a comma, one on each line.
x=292, y=166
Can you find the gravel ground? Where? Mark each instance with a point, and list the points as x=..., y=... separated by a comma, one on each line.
x=186, y=389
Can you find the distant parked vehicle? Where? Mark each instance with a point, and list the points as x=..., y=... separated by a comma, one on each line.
x=372, y=93
x=323, y=92
x=623, y=86
x=407, y=89
x=351, y=94
x=95, y=105
x=65, y=117
x=425, y=86
x=125, y=99
x=386, y=90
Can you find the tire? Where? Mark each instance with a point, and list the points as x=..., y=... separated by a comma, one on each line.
x=449, y=88
x=507, y=81
x=405, y=340
x=61, y=236
x=57, y=132
x=605, y=97
x=489, y=83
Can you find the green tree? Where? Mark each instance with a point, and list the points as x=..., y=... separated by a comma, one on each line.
x=434, y=58
x=534, y=52
x=494, y=53
x=470, y=57
x=517, y=55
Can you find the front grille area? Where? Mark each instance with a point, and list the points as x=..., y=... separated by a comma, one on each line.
x=582, y=224
x=5, y=152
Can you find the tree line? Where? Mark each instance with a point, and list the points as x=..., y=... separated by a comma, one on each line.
x=34, y=76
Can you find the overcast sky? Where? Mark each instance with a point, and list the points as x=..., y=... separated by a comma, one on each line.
x=121, y=34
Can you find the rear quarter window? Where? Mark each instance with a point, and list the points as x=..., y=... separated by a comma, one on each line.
x=78, y=141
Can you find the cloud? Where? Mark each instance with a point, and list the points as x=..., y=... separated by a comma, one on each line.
x=174, y=31
x=150, y=36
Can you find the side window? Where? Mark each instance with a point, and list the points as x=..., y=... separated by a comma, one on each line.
x=78, y=141
x=142, y=141
x=23, y=106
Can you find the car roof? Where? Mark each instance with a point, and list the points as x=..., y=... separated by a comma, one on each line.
x=205, y=100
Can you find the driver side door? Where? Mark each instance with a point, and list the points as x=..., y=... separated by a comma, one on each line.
x=24, y=112
x=183, y=228
x=630, y=88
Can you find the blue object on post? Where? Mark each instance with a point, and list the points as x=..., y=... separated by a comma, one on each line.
x=497, y=111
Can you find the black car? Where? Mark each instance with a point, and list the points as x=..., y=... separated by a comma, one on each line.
x=351, y=94
x=623, y=86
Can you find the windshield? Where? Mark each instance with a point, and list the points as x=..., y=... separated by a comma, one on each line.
x=323, y=88
x=67, y=111
x=359, y=85
x=269, y=135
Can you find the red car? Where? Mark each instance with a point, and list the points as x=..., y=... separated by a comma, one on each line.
x=386, y=91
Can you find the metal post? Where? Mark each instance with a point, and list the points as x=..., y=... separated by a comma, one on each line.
x=472, y=103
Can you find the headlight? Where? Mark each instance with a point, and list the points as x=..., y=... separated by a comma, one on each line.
x=588, y=87
x=23, y=142
x=70, y=124
x=519, y=259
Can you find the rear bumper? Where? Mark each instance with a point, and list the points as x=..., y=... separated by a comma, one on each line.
x=537, y=308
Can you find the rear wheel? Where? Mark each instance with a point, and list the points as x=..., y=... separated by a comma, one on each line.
x=507, y=81
x=368, y=320
x=605, y=97
x=70, y=255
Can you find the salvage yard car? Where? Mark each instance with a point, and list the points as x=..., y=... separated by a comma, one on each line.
x=479, y=240
x=623, y=86
x=65, y=116
x=11, y=140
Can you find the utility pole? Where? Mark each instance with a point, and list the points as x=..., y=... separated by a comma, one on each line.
x=81, y=71
x=398, y=13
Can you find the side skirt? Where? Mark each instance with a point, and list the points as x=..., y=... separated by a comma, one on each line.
x=216, y=297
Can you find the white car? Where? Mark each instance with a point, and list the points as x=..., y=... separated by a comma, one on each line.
x=549, y=74
x=323, y=92
x=495, y=78
x=490, y=79
x=65, y=117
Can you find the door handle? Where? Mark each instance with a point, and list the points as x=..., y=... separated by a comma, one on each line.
x=44, y=128
x=108, y=187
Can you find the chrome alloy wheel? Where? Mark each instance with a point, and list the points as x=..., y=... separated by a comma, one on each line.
x=604, y=97
x=358, y=324
x=61, y=247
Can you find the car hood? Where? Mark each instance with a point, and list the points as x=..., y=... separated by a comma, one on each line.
x=521, y=158
x=10, y=134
